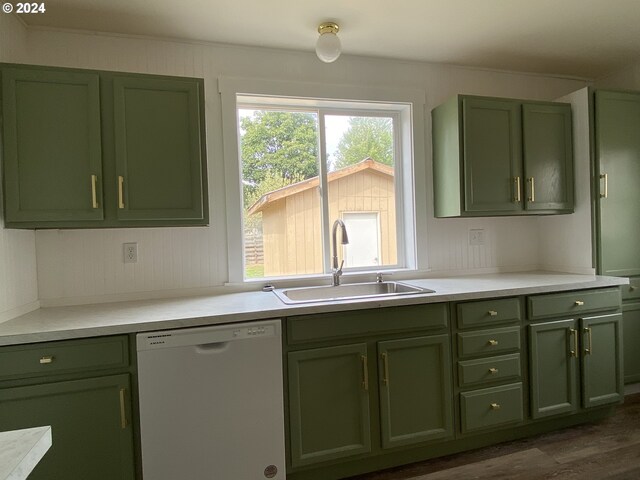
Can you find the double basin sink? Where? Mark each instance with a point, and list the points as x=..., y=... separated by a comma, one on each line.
x=349, y=291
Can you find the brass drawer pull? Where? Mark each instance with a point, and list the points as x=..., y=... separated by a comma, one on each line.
x=495, y=406
x=493, y=342
x=46, y=359
x=492, y=313
x=365, y=372
x=574, y=334
x=605, y=192
x=517, y=195
x=123, y=410
x=120, y=191
x=589, y=349
x=493, y=370
x=532, y=197
x=632, y=288
x=385, y=368
x=94, y=194
x=579, y=303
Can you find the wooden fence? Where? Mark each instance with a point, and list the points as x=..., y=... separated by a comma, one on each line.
x=253, y=248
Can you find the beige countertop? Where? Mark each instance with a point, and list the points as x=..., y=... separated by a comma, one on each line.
x=58, y=323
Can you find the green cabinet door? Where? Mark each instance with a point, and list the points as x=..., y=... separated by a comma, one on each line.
x=631, y=342
x=328, y=403
x=51, y=146
x=492, y=155
x=158, y=148
x=415, y=390
x=617, y=126
x=601, y=360
x=553, y=350
x=91, y=435
x=548, y=157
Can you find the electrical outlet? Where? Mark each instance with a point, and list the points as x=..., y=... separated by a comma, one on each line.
x=476, y=236
x=130, y=252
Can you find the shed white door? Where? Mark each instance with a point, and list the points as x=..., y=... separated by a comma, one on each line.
x=363, y=249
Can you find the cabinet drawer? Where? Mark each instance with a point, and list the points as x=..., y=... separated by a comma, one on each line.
x=490, y=312
x=631, y=291
x=306, y=328
x=574, y=303
x=63, y=357
x=482, y=342
x=487, y=370
x=490, y=407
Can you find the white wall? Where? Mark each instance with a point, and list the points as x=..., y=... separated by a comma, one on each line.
x=565, y=241
x=18, y=284
x=83, y=265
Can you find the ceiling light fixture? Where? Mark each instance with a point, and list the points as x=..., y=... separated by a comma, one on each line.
x=328, y=46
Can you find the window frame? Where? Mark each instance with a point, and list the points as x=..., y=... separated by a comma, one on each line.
x=409, y=154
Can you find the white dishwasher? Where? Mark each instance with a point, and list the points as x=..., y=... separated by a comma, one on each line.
x=211, y=402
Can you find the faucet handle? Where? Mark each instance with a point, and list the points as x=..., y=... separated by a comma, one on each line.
x=340, y=269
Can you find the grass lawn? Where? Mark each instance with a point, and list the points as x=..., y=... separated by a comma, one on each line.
x=254, y=271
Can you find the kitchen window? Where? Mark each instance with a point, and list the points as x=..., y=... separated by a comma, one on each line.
x=303, y=163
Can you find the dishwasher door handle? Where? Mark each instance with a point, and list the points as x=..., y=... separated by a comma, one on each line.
x=216, y=347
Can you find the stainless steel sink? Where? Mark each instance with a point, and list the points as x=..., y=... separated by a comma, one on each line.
x=349, y=291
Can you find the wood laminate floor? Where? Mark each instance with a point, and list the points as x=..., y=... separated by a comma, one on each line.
x=607, y=450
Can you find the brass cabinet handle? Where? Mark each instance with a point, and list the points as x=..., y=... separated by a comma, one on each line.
x=94, y=194
x=573, y=333
x=589, y=349
x=492, y=313
x=517, y=195
x=632, y=288
x=492, y=342
x=493, y=371
x=532, y=197
x=123, y=410
x=605, y=192
x=46, y=359
x=495, y=406
x=579, y=303
x=120, y=191
x=385, y=368
x=365, y=372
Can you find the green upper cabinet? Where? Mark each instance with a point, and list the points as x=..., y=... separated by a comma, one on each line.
x=617, y=135
x=52, y=146
x=158, y=149
x=415, y=390
x=548, y=157
x=87, y=149
x=494, y=156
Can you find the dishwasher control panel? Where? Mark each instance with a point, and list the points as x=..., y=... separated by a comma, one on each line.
x=206, y=335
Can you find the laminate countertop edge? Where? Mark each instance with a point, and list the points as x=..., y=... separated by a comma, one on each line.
x=82, y=321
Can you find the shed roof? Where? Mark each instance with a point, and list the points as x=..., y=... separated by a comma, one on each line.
x=366, y=164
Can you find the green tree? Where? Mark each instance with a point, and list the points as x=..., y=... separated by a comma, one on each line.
x=277, y=145
x=366, y=137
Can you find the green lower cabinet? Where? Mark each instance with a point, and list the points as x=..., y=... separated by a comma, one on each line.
x=559, y=350
x=602, y=360
x=631, y=323
x=415, y=390
x=92, y=436
x=328, y=403
x=553, y=349
x=491, y=407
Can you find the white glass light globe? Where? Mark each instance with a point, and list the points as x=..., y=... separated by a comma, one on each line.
x=328, y=47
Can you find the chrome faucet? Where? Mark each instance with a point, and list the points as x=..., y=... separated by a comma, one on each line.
x=344, y=239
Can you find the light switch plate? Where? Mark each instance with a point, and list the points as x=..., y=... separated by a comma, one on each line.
x=476, y=236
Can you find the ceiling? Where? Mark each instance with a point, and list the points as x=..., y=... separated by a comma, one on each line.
x=582, y=38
